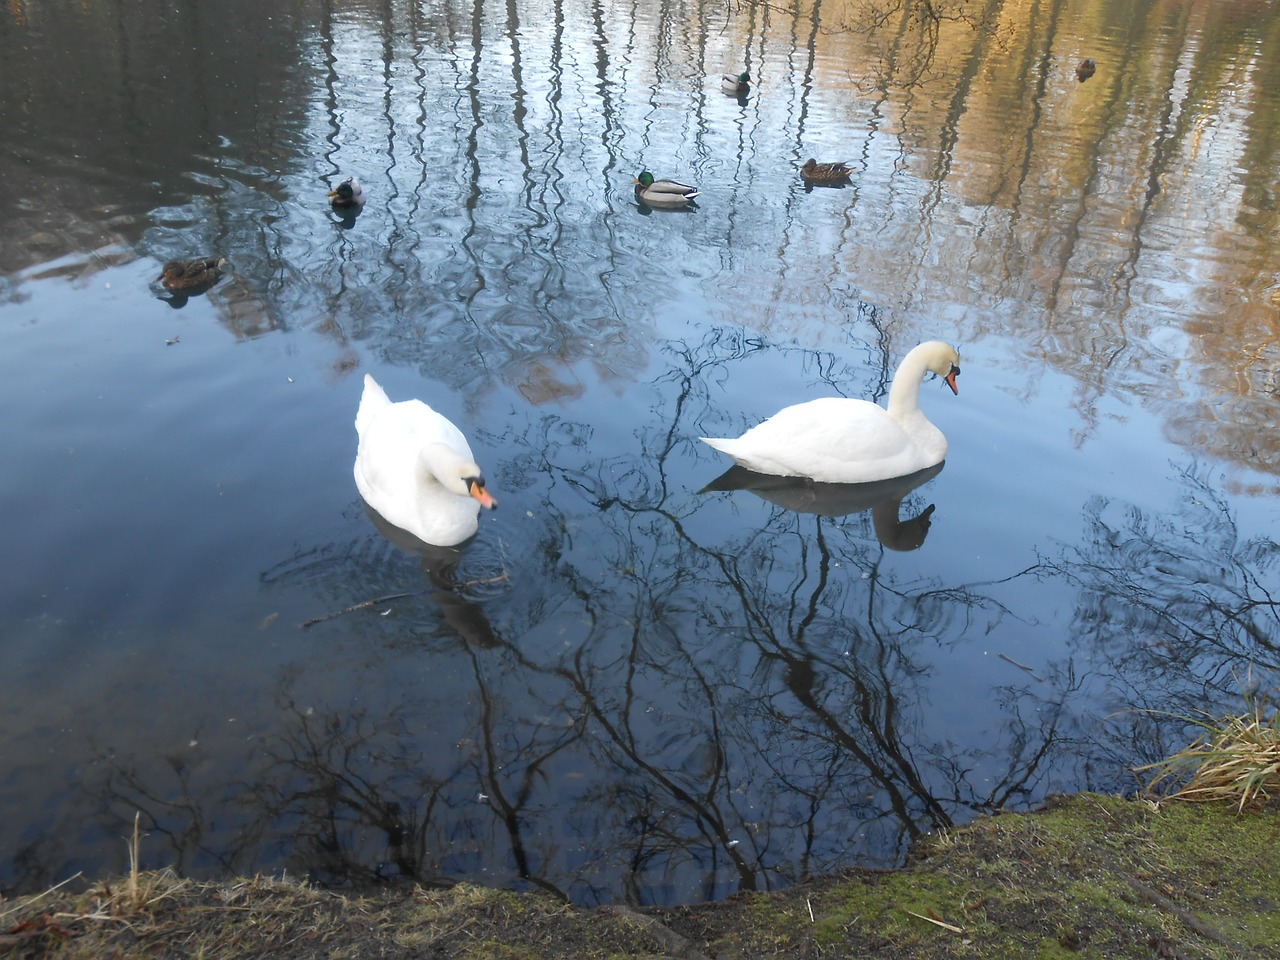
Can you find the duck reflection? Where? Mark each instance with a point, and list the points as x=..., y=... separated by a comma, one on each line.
x=882, y=497
x=345, y=217
x=439, y=564
x=646, y=211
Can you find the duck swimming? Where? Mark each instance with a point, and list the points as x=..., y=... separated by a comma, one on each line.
x=417, y=470
x=347, y=195
x=193, y=274
x=663, y=193
x=825, y=173
x=735, y=84
x=841, y=440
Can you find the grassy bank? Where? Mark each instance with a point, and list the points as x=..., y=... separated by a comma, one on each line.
x=1088, y=876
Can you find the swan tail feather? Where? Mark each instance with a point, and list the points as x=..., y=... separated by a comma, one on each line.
x=732, y=448
x=372, y=400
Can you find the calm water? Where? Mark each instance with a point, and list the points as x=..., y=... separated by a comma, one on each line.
x=623, y=688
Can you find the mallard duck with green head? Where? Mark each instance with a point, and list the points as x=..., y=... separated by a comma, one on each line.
x=735, y=84
x=347, y=195
x=193, y=274
x=663, y=193
x=825, y=173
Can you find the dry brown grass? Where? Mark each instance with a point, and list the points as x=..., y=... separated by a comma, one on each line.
x=59, y=915
x=1236, y=759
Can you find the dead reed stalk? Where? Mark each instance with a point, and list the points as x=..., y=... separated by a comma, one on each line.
x=1236, y=758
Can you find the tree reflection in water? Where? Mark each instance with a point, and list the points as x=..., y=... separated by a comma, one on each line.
x=661, y=705
x=672, y=709
x=1175, y=610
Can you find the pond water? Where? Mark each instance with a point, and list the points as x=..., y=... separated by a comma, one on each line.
x=625, y=687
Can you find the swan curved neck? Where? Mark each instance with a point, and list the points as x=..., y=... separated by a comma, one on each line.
x=904, y=405
x=904, y=392
x=442, y=462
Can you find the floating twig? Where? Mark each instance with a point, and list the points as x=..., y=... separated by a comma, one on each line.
x=352, y=609
x=1021, y=666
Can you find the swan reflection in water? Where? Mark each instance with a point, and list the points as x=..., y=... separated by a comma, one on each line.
x=466, y=617
x=882, y=497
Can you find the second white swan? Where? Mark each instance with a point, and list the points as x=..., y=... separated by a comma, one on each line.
x=416, y=469
x=841, y=440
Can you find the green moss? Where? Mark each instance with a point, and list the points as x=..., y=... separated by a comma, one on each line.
x=1054, y=950
x=1094, y=877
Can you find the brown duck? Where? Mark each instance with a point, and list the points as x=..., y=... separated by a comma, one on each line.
x=191, y=274
x=1086, y=69
x=830, y=173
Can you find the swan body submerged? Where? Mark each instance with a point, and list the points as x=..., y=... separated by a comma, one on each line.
x=416, y=469
x=840, y=440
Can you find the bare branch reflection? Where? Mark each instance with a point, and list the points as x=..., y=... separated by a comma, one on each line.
x=671, y=696
x=694, y=708
x=1176, y=608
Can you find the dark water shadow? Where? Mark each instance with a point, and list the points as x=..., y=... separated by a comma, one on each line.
x=802, y=495
x=345, y=217
x=439, y=565
x=644, y=209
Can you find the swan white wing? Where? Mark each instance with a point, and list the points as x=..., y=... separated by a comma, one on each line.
x=833, y=440
x=386, y=470
x=422, y=425
x=393, y=437
x=408, y=421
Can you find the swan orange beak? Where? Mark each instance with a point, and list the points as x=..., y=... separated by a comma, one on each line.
x=951, y=379
x=478, y=491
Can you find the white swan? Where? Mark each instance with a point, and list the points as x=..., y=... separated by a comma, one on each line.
x=416, y=469
x=837, y=440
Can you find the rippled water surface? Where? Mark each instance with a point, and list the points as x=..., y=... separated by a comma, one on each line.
x=627, y=687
